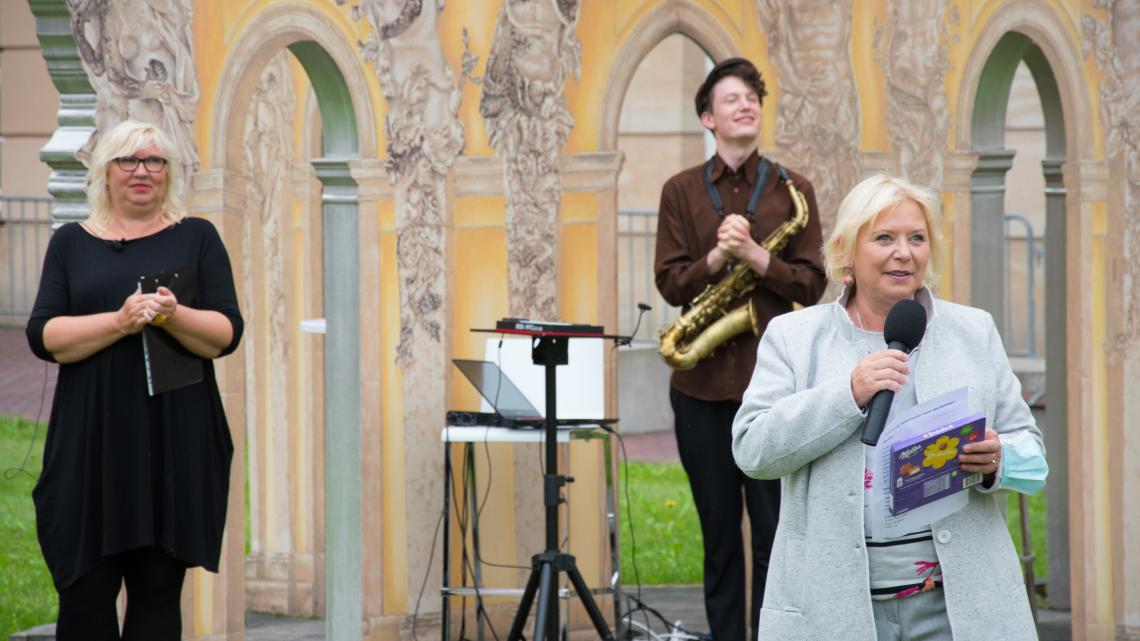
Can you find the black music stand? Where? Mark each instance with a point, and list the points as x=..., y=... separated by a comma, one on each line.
x=549, y=348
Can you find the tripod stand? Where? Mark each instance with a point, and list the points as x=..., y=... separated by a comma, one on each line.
x=550, y=352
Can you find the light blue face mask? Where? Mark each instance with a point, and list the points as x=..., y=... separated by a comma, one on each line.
x=1023, y=465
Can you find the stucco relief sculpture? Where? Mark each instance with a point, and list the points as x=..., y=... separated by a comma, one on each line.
x=139, y=56
x=424, y=137
x=1117, y=49
x=267, y=161
x=918, y=111
x=523, y=105
x=817, y=118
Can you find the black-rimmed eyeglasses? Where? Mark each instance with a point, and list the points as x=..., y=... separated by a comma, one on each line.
x=153, y=164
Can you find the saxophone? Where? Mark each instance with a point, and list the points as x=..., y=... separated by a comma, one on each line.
x=706, y=326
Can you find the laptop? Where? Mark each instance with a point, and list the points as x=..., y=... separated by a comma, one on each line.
x=512, y=408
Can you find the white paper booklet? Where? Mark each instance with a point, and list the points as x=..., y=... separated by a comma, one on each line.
x=916, y=421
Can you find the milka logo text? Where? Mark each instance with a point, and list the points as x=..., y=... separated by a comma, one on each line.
x=909, y=452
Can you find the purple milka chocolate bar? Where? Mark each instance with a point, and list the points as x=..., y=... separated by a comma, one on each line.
x=925, y=468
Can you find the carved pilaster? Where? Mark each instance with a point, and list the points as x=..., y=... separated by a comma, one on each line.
x=424, y=137
x=911, y=48
x=817, y=115
x=1116, y=50
x=76, y=110
x=524, y=108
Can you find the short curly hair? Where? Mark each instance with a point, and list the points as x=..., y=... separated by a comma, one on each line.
x=741, y=68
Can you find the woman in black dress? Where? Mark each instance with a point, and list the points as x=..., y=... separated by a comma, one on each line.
x=134, y=485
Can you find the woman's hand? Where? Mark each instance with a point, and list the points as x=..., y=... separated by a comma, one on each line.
x=882, y=370
x=162, y=305
x=134, y=314
x=73, y=338
x=983, y=457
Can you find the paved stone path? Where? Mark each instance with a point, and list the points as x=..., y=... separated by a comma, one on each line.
x=24, y=379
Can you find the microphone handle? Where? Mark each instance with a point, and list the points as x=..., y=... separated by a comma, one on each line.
x=877, y=416
x=880, y=406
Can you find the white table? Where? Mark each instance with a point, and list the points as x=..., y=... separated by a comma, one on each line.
x=471, y=435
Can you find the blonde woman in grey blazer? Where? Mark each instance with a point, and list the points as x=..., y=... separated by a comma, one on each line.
x=801, y=420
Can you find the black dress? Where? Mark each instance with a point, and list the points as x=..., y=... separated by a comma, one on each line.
x=123, y=469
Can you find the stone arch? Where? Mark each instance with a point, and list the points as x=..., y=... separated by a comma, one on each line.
x=333, y=67
x=684, y=17
x=1060, y=52
x=347, y=132
x=677, y=16
x=1035, y=35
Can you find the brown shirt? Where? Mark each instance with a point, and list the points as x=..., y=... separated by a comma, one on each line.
x=686, y=233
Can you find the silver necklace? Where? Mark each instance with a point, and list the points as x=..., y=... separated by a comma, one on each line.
x=863, y=336
x=862, y=332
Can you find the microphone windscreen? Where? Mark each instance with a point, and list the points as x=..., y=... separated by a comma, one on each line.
x=906, y=323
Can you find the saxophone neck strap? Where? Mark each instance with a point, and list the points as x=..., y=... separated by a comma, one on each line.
x=763, y=170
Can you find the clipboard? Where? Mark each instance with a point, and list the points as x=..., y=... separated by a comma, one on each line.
x=169, y=365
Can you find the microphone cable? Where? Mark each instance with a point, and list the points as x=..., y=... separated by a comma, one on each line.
x=12, y=472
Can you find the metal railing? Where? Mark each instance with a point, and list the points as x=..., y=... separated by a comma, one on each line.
x=25, y=227
x=1034, y=254
x=637, y=244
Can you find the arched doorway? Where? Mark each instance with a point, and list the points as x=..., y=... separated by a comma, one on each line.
x=287, y=199
x=989, y=263
x=682, y=31
x=659, y=135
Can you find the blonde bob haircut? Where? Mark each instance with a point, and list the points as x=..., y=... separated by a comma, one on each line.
x=126, y=139
x=862, y=206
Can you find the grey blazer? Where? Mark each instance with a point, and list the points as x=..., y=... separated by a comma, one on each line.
x=799, y=422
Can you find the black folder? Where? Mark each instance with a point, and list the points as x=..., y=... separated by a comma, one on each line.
x=169, y=365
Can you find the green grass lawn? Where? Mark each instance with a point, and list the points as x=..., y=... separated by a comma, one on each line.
x=669, y=535
x=27, y=598
x=1036, y=533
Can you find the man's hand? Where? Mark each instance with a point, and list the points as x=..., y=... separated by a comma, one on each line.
x=734, y=238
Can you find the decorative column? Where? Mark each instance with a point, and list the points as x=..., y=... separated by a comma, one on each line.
x=1056, y=381
x=343, y=612
x=76, y=110
x=987, y=233
x=957, y=171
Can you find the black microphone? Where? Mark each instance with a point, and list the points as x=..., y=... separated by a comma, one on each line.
x=117, y=245
x=903, y=330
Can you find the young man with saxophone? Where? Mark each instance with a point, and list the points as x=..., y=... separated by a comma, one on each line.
x=729, y=211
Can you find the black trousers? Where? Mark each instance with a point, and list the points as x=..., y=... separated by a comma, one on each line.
x=704, y=441
x=154, y=589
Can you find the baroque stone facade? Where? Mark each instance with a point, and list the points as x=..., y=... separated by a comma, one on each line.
x=424, y=138
x=533, y=51
x=918, y=113
x=266, y=239
x=817, y=119
x=139, y=56
x=1114, y=43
